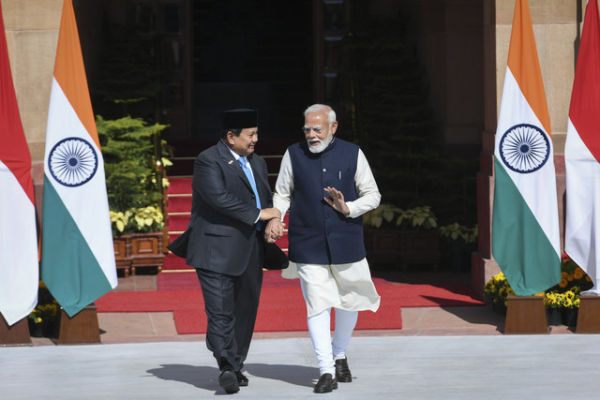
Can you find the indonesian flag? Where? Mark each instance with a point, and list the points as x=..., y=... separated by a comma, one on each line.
x=525, y=233
x=582, y=153
x=78, y=263
x=18, y=238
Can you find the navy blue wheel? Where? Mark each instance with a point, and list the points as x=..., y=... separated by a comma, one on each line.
x=524, y=148
x=72, y=161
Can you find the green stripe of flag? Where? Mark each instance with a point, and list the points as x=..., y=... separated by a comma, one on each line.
x=69, y=267
x=519, y=244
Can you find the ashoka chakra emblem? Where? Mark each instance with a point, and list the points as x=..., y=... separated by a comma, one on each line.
x=72, y=161
x=524, y=148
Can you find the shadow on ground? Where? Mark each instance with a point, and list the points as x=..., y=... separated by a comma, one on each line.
x=293, y=374
x=199, y=376
x=478, y=315
x=206, y=378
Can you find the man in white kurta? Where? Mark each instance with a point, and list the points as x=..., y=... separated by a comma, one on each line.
x=323, y=162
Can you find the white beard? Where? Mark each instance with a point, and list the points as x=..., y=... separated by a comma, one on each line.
x=322, y=144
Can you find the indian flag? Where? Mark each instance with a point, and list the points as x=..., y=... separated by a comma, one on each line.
x=582, y=153
x=78, y=263
x=18, y=237
x=525, y=232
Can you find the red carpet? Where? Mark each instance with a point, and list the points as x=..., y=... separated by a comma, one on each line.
x=281, y=307
x=189, y=280
x=179, y=185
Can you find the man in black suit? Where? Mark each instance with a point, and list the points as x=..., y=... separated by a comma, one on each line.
x=231, y=202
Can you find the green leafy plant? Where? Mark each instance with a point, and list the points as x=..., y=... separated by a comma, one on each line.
x=568, y=299
x=497, y=289
x=459, y=232
x=385, y=213
x=389, y=215
x=136, y=220
x=134, y=172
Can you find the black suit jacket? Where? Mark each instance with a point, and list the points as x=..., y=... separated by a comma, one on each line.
x=222, y=228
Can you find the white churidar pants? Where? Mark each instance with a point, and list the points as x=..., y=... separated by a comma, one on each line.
x=346, y=287
x=326, y=350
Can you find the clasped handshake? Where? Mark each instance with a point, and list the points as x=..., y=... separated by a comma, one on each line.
x=275, y=228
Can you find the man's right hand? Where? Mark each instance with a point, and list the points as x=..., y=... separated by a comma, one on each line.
x=267, y=214
x=274, y=230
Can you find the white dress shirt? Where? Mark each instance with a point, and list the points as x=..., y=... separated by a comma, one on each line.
x=237, y=158
x=368, y=193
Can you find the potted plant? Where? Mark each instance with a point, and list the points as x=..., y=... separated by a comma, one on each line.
x=561, y=301
x=135, y=157
x=44, y=320
x=565, y=295
x=553, y=302
x=138, y=238
x=496, y=290
x=402, y=237
x=121, y=240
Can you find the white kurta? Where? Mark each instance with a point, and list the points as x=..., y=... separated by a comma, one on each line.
x=345, y=286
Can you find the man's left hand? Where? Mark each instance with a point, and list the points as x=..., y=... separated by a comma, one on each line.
x=336, y=200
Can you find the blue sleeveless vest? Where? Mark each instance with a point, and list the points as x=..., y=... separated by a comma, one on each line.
x=317, y=233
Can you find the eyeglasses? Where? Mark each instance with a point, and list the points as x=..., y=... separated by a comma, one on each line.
x=307, y=129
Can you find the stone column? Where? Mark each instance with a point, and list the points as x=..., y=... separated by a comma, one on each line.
x=31, y=35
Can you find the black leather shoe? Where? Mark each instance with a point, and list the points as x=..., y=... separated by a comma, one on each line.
x=325, y=384
x=342, y=372
x=242, y=379
x=229, y=381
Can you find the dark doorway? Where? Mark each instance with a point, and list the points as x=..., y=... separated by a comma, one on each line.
x=250, y=53
x=182, y=62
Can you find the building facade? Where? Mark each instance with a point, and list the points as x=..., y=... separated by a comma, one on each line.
x=461, y=44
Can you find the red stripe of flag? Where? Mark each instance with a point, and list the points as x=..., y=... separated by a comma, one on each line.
x=585, y=100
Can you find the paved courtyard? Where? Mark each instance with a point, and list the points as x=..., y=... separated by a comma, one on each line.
x=384, y=367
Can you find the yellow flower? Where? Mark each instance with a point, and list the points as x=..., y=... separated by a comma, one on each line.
x=569, y=295
x=166, y=162
x=568, y=303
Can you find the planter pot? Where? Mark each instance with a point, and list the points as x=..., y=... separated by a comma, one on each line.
x=402, y=247
x=138, y=250
x=35, y=330
x=456, y=255
x=420, y=247
x=499, y=308
x=554, y=316
x=50, y=327
x=382, y=246
x=146, y=250
x=122, y=246
x=569, y=317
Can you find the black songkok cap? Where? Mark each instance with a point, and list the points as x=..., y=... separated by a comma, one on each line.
x=240, y=118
